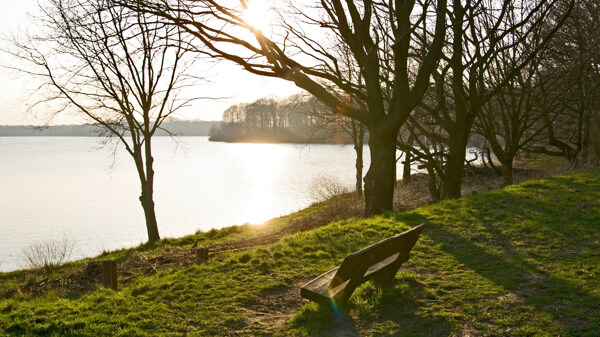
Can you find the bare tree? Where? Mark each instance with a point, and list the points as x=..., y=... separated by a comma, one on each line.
x=480, y=31
x=379, y=36
x=568, y=81
x=511, y=120
x=122, y=70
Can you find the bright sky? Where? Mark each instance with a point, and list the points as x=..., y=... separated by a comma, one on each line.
x=227, y=80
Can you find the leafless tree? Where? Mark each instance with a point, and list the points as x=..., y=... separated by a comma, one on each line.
x=379, y=36
x=511, y=120
x=122, y=70
x=569, y=84
x=480, y=32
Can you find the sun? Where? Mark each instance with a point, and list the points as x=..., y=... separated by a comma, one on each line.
x=258, y=14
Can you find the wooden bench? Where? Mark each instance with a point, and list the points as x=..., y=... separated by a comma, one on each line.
x=379, y=262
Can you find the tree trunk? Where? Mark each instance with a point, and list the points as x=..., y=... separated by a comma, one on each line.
x=146, y=175
x=585, y=144
x=507, y=172
x=406, y=168
x=434, y=190
x=148, y=202
x=452, y=181
x=491, y=162
x=358, y=136
x=359, y=170
x=151, y=224
x=381, y=177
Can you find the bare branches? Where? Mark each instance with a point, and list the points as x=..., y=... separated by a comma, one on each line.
x=121, y=69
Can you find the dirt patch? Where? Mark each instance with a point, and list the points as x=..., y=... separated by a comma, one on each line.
x=468, y=330
x=510, y=297
x=273, y=308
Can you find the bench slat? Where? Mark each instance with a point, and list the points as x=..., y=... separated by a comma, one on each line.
x=317, y=290
x=375, y=268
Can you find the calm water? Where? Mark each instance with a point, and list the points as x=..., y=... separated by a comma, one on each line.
x=54, y=187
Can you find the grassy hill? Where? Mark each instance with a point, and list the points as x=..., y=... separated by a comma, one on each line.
x=521, y=261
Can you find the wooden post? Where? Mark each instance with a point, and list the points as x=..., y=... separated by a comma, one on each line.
x=201, y=255
x=110, y=274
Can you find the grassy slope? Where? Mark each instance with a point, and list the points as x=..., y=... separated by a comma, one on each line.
x=520, y=261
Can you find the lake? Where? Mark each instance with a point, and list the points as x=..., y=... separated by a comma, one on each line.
x=71, y=187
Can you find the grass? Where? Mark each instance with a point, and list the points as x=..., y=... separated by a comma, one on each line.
x=522, y=261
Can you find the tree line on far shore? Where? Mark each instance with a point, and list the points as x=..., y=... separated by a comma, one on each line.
x=295, y=119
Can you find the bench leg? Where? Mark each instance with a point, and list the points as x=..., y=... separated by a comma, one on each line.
x=384, y=280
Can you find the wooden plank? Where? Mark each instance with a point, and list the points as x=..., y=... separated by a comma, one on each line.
x=317, y=290
x=379, y=266
x=321, y=281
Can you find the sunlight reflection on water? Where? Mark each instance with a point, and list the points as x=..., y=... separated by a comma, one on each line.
x=55, y=187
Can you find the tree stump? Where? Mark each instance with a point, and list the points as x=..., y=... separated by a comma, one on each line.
x=110, y=274
x=201, y=255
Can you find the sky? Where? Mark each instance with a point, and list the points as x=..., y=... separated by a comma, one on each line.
x=227, y=81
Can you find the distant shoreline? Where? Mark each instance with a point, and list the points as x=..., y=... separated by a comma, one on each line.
x=179, y=128
x=269, y=139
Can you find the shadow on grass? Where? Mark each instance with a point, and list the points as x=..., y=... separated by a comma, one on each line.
x=503, y=251
x=391, y=311
x=488, y=249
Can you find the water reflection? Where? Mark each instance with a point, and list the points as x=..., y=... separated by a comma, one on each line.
x=56, y=187
x=262, y=167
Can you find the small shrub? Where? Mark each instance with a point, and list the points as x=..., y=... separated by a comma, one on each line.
x=47, y=255
x=324, y=188
x=245, y=258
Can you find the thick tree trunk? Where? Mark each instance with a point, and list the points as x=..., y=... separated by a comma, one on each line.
x=452, y=181
x=507, y=172
x=381, y=177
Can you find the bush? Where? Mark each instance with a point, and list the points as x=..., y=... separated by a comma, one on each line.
x=324, y=188
x=47, y=255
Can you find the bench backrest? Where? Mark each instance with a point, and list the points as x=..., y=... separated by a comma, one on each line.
x=356, y=264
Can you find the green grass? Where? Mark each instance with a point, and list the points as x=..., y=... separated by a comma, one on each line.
x=522, y=261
